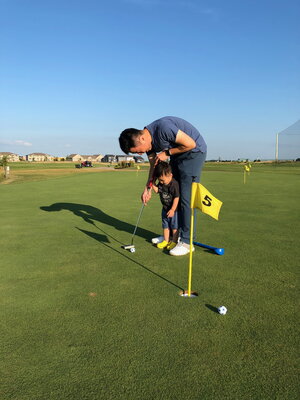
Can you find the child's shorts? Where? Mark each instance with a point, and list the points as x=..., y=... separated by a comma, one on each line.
x=170, y=223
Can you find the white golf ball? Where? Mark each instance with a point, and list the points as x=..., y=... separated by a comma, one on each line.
x=222, y=310
x=132, y=250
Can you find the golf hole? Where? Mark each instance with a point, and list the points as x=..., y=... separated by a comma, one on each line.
x=184, y=293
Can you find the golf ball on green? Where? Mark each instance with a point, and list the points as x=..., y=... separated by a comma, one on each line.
x=222, y=310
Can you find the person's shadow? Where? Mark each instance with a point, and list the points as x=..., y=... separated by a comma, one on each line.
x=91, y=214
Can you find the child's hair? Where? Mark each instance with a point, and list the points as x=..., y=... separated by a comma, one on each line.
x=162, y=168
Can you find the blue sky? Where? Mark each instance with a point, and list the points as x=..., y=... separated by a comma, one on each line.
x=75, y=73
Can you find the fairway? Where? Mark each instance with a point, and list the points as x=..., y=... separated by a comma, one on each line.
x=81, y=318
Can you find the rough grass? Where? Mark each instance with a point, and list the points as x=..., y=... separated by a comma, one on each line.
x=83, y=319
x=26, y=171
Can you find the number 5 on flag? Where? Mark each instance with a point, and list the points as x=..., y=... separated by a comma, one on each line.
x=202, y=199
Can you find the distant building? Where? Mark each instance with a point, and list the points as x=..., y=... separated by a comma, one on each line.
x=94, y=157
x=125, y=158
x=39, y=157
x=138, y=159
x=74, y=157
x=12, y=157
x=109, y=158
x=84, y=157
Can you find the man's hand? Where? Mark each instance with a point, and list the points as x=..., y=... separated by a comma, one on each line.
x=146, y=195
x=161, y=157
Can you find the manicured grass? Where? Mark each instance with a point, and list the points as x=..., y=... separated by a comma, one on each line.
x=84, y=319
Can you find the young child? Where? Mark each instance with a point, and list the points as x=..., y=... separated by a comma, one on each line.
x=168, y=189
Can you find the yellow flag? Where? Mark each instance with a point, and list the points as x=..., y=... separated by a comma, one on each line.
x=201, y=198
x=247, y=168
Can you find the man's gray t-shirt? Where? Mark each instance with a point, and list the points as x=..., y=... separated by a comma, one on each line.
x=164, y=131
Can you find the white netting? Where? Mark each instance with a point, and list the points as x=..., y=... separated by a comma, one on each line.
x=289, y=142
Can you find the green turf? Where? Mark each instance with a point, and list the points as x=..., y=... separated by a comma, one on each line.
x=136, y=338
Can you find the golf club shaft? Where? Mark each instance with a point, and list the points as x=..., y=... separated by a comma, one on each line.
x=138, y=220
x=217, y=250
x=206, y=246
x=141, y=212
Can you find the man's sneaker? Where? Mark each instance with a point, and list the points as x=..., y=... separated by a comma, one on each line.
x=181, y=249
x=171, y=245
x=158, y=239
x=162, y=244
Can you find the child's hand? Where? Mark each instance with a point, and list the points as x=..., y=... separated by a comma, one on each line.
x=170, y=213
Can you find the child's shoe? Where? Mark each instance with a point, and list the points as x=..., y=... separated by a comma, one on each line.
x=158, y=239
x=171, y=245
x=162, y=245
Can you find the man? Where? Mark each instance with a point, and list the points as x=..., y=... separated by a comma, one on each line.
x=177, y=139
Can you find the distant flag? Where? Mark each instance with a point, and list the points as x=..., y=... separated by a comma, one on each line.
x=247, y=168
x=202, y=199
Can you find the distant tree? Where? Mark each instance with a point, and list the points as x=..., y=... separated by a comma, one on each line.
x=4, y=164
x=4, y=161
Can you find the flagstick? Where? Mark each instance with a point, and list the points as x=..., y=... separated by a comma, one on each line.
x=244, y=176
x=191, y=252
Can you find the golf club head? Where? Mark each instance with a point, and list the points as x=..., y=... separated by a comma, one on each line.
x=129, y=247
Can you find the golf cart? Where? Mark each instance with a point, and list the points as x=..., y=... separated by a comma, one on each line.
x=84, y=164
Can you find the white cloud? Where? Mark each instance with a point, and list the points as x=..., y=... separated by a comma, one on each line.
x=16, y=143
x=22, y=143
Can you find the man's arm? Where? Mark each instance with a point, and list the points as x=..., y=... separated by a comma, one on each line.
x=146, y=195
x=151, y=158
x=185, y=143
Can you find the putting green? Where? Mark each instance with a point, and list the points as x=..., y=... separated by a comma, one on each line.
x=84, y=319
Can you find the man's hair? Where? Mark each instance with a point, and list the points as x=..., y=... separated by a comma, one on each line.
x=162, y=168
x=127, y=139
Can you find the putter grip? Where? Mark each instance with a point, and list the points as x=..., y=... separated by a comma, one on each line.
x=150, y=184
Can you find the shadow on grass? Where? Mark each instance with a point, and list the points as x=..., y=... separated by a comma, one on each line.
x=212, y=308
x=103, y=240
x=90, y=214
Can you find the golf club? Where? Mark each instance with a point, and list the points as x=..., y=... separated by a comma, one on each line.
x=131, y=246
x=216, y=250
